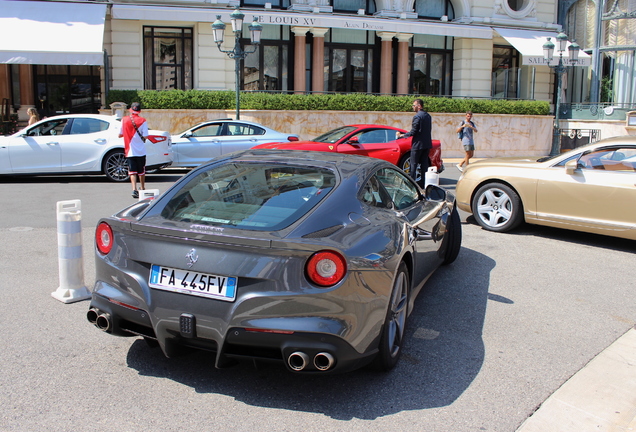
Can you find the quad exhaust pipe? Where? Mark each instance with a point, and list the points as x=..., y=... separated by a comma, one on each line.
x=299, y=361
x=98, y=318
x=324, y=361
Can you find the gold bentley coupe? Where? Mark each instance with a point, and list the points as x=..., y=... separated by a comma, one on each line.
x=591, y=188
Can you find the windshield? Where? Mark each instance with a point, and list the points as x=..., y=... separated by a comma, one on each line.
x=254, y=196
x=334, y=135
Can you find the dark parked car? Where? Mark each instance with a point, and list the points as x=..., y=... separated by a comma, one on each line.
x=314, y=260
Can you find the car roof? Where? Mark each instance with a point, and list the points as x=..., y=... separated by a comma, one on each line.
x=229, y=120
x=373, y=126
x=97, y=116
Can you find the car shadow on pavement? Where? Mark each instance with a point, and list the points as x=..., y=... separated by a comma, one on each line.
x=566, y=235
x=163, y=176
x=444, y=352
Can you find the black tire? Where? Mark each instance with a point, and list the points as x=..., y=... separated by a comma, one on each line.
x=394, y=328
x=497, y=207
x=115, y=166
x=453, y=238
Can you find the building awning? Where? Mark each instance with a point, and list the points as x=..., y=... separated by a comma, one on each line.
x=51, y=33
x=530, y=44
x=289, y=18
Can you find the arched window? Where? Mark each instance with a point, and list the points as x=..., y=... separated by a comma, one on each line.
x=434, y=9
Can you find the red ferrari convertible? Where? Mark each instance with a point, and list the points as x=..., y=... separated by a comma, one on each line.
x=368, y=140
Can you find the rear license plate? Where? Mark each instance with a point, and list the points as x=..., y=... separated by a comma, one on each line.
x=193, y=283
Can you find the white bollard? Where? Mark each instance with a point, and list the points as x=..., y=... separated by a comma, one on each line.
x=432, y=177
x=147, y=193
x=69, y=250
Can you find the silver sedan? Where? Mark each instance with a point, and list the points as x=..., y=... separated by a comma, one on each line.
x=212, y=139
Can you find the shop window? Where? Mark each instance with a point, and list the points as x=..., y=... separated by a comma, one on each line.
x=168, y=58
x=348, y=69
x=64, y=89
x=505, y=72
x=267, y=67
x=430, y=72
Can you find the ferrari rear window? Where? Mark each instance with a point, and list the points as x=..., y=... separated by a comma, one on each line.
x=255, y=196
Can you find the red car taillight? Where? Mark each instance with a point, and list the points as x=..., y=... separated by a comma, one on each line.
x=104, y=238
x=156, y=138
x=292, y=138
x=326, y=268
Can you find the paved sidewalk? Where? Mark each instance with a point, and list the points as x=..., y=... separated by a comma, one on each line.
x=600, y=397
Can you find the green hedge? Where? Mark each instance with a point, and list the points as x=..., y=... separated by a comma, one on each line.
x=225, y=100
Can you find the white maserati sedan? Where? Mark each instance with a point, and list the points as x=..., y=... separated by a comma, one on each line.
x=77, y=144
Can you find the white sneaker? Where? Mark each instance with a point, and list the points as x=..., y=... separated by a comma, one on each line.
x=460, y=168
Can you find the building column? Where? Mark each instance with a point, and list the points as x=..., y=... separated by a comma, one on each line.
x=318, y=60
x=386, y=62
x=300, y=59
x=403, y=63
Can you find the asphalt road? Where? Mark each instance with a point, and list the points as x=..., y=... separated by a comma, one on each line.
x=492, y=336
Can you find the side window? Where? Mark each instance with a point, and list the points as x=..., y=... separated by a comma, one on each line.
x=244, y=129
x=373, y=136
x=87, y=125
x=402, y=190
x=374, y=194
x=209, y=130
x=53, y=127
x=610, y=159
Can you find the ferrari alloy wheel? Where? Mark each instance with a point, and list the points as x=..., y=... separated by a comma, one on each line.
x=115, y=166
x=405, y=165
x=497, y=207
x=453, y=237
x=395, y=323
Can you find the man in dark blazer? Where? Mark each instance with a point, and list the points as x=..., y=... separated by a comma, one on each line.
x=422, y=141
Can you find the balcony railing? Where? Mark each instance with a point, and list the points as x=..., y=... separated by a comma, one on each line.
x=573, y=138
x=597, y=111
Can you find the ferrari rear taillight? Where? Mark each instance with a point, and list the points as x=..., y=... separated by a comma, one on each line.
x=292, y=138
x=104, y=238
x=157, y=138
x=326, y=268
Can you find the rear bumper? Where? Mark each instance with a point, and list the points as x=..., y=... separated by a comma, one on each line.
x=127, y=317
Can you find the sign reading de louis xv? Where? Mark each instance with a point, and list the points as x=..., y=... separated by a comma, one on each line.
x=365, y=22
x=293, y=20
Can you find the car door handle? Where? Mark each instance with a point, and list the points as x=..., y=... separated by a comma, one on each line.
x=100, y=140
x=52, y=143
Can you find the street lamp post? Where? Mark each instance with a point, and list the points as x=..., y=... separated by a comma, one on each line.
x=548, y=53
x=237, y=53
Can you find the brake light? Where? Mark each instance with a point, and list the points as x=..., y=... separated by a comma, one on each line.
x=292, y=138
x=104, y=238
x=326, y=268
x=157, y=138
